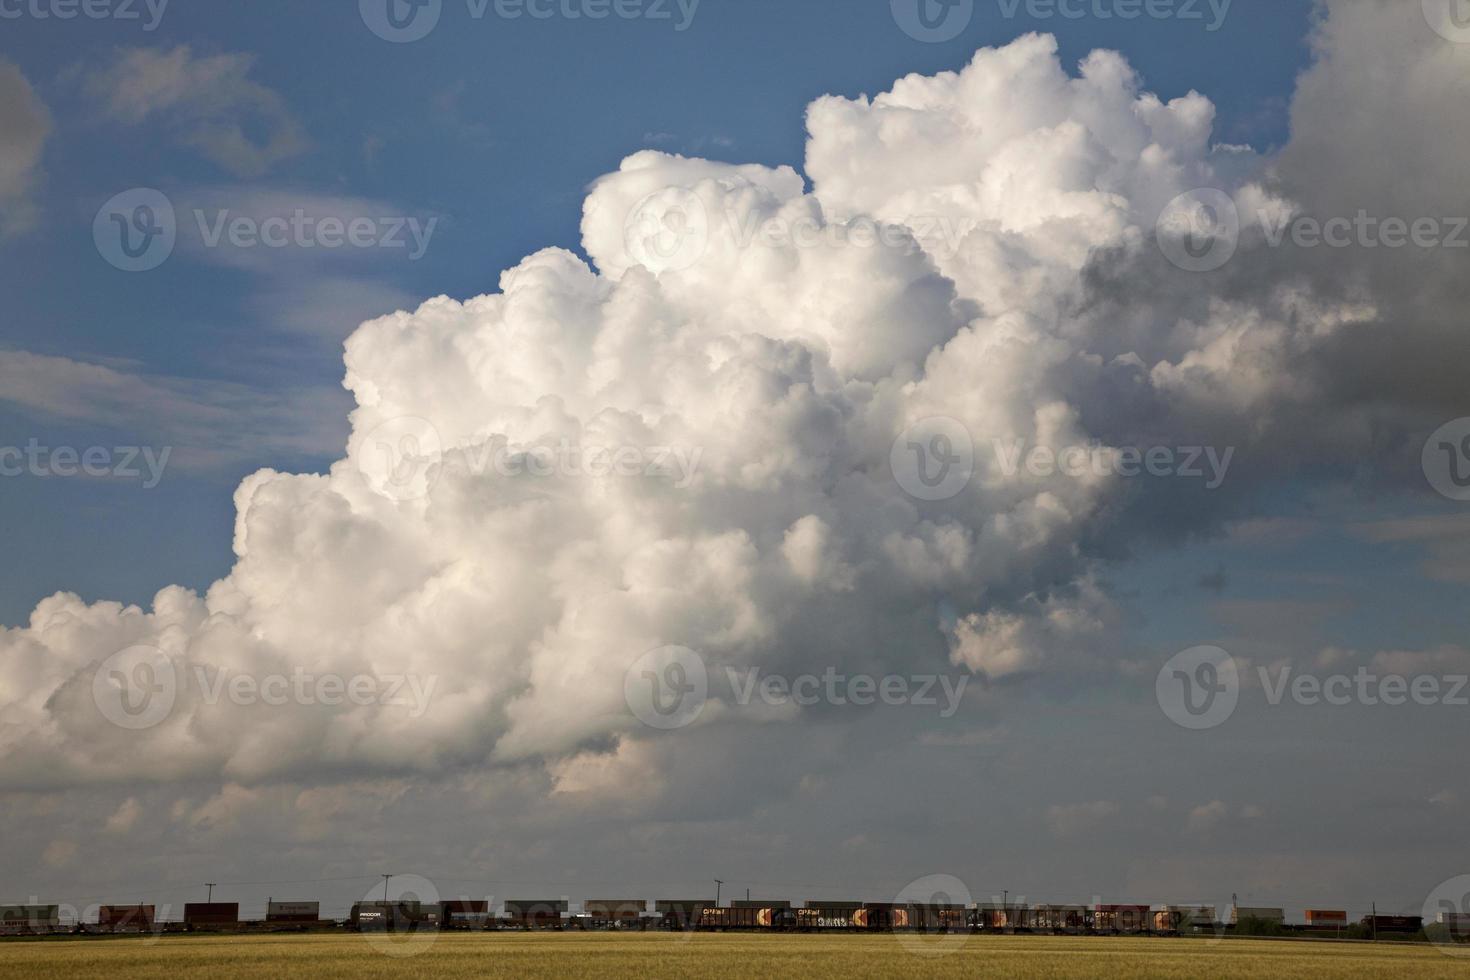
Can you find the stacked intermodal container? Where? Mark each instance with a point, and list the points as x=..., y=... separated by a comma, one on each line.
x=205, y=916
x=29, y=919
x=125, y=918
x=293, y=913
x=536, y=913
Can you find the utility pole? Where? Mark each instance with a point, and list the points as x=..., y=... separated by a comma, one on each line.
x=385, y=887
x=718, y=883
x=1374, y=920
x=210, y=886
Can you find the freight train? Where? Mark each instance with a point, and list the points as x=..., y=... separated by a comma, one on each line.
x=703, y=915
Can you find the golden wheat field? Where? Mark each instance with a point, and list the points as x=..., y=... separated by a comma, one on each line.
x=603, y=955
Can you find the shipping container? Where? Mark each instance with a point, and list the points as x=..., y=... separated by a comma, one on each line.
x=1239, y=913
x=1183, y=918
x=536, y=913
x=464, y=914
x=1394, y=923
x=615, y=913
x=301, y=913
x=125, y=918
x=29, y=919
x=201, y=915
x=1327, y=917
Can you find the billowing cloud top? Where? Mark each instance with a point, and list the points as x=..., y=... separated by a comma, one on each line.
x=975, y=260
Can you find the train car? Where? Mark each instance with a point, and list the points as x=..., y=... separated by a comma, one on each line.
x=1330, y=921
x=1239, y=914
x=402, y=915
x=1122, y=919
x=1069, y=920
x=606, y=913
x=125, y=918
x=29, y=920
x=825, y=915
x=292, y=916
x=544, y=913
x=1393, y=924
x=461, y=914
x=211, y=916
x=938, y=917
x=681, y=914
x=747, y=917
x=990, y=917
x=882, y=917
x=1183, y=918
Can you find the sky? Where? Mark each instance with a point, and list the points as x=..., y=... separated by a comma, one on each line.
x=825, y=278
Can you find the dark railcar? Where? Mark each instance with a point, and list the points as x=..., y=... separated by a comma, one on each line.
x=1394, y=923
x=536, y=913
x=125, y=918
x=204, y=916
x=827, y=915
x=747, y=917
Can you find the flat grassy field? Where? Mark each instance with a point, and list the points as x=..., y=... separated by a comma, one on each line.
x=602, y=955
